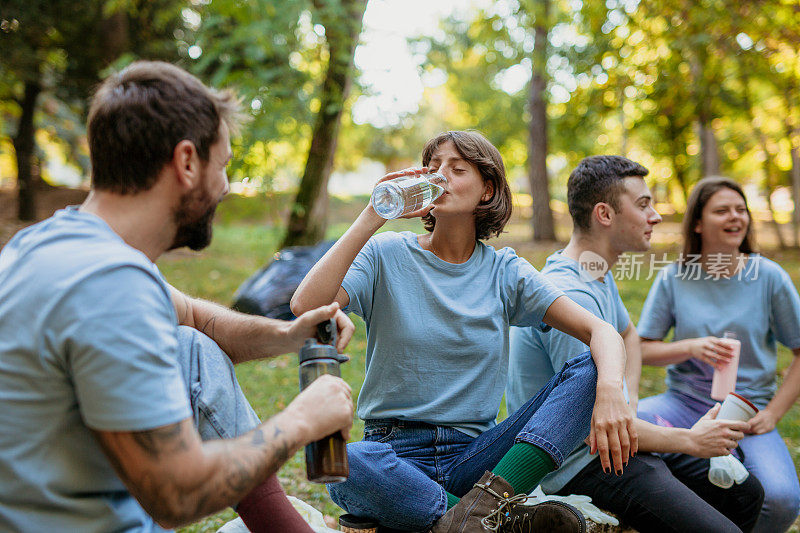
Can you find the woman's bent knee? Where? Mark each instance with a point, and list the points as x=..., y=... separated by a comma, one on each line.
x=780, y=509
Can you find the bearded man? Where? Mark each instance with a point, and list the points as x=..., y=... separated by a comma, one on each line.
x=119, y=405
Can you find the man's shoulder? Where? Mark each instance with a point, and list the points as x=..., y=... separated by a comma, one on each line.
x=61, y=256
x=565, y=274
x=64, y=223
x=68, y=239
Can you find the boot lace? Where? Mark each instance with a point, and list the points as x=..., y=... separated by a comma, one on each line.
x=496, y=518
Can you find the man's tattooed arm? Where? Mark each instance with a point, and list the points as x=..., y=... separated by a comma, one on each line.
x=178, y=479
x=246, y=337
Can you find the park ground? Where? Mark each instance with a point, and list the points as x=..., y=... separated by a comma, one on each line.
x=247, y=234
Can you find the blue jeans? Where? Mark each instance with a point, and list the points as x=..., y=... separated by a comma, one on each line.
x=219, y=407
x=765, y=456
x=400, y=471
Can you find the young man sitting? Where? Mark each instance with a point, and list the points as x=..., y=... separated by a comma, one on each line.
x=667, y=489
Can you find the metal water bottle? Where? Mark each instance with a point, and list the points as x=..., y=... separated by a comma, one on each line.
x=326, y=459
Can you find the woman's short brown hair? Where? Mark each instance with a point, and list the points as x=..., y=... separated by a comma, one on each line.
x=702, y=192
x=140, y=114
x=492, y=215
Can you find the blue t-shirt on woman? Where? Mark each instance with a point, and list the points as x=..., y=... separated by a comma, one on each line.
x=760, y=304
x=437, y=332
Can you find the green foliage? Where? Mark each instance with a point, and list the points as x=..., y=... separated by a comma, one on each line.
x=268, y=51
x=630, y=77
x=65, y=47
x=274, y=53
x=624, y=77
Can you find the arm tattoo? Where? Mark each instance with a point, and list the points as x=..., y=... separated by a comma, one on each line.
x=258, y=437
x=239, y=466
x=164, y=440
x=282, y=449
x=208, y=327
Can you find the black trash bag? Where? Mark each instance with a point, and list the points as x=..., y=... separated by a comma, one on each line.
x=268, y=291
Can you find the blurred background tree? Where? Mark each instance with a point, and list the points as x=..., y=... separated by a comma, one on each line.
x=58, y=50
x=688, y=88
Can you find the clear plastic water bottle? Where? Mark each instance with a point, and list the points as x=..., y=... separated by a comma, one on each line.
x=398, y=196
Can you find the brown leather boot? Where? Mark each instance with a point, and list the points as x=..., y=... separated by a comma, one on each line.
x=492, y=506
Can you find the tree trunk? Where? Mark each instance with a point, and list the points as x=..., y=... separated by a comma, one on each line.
x=24, y=145
x=115, y=36
x=676, y=148
x=709, y=150
x=543, y=225
x=307, y=220
x=769, y=185
x=795, y=172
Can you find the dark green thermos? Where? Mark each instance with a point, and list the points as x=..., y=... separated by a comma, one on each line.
x=326, y=459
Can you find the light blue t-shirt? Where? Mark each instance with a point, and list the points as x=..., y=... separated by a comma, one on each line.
x=536, y=356
x=437, y=332
x=88, y=339
x=761, y=308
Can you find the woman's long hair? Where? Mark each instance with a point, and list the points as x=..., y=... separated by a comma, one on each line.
x=705, y=189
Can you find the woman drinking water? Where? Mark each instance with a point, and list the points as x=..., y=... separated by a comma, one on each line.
x=437, y=308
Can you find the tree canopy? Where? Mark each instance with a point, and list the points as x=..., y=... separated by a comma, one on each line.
x=686, y=88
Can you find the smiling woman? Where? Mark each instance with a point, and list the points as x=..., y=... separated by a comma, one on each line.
x=717, y=219
x=721, y=285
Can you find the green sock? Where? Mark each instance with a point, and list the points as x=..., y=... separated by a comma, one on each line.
x=524, y=466
x=451, y=500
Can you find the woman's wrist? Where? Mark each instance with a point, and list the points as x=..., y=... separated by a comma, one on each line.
x=684, y=349
x=370, y=219
x=775, y=411
x=609, y=384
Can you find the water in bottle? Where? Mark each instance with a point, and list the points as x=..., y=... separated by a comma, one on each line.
x=724, y=379
x=406, y=194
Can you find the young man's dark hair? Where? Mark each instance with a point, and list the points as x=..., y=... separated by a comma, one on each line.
x=140, y=114
x=490, y=216
x=598, y=178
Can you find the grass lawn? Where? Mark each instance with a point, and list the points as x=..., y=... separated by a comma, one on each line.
x=245, y=238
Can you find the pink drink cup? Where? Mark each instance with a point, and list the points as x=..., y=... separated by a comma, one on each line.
x=724, y=380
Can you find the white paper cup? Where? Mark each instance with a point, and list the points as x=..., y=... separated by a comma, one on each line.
x=736, y=407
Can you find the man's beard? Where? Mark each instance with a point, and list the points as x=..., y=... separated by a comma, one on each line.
x=194, y=218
